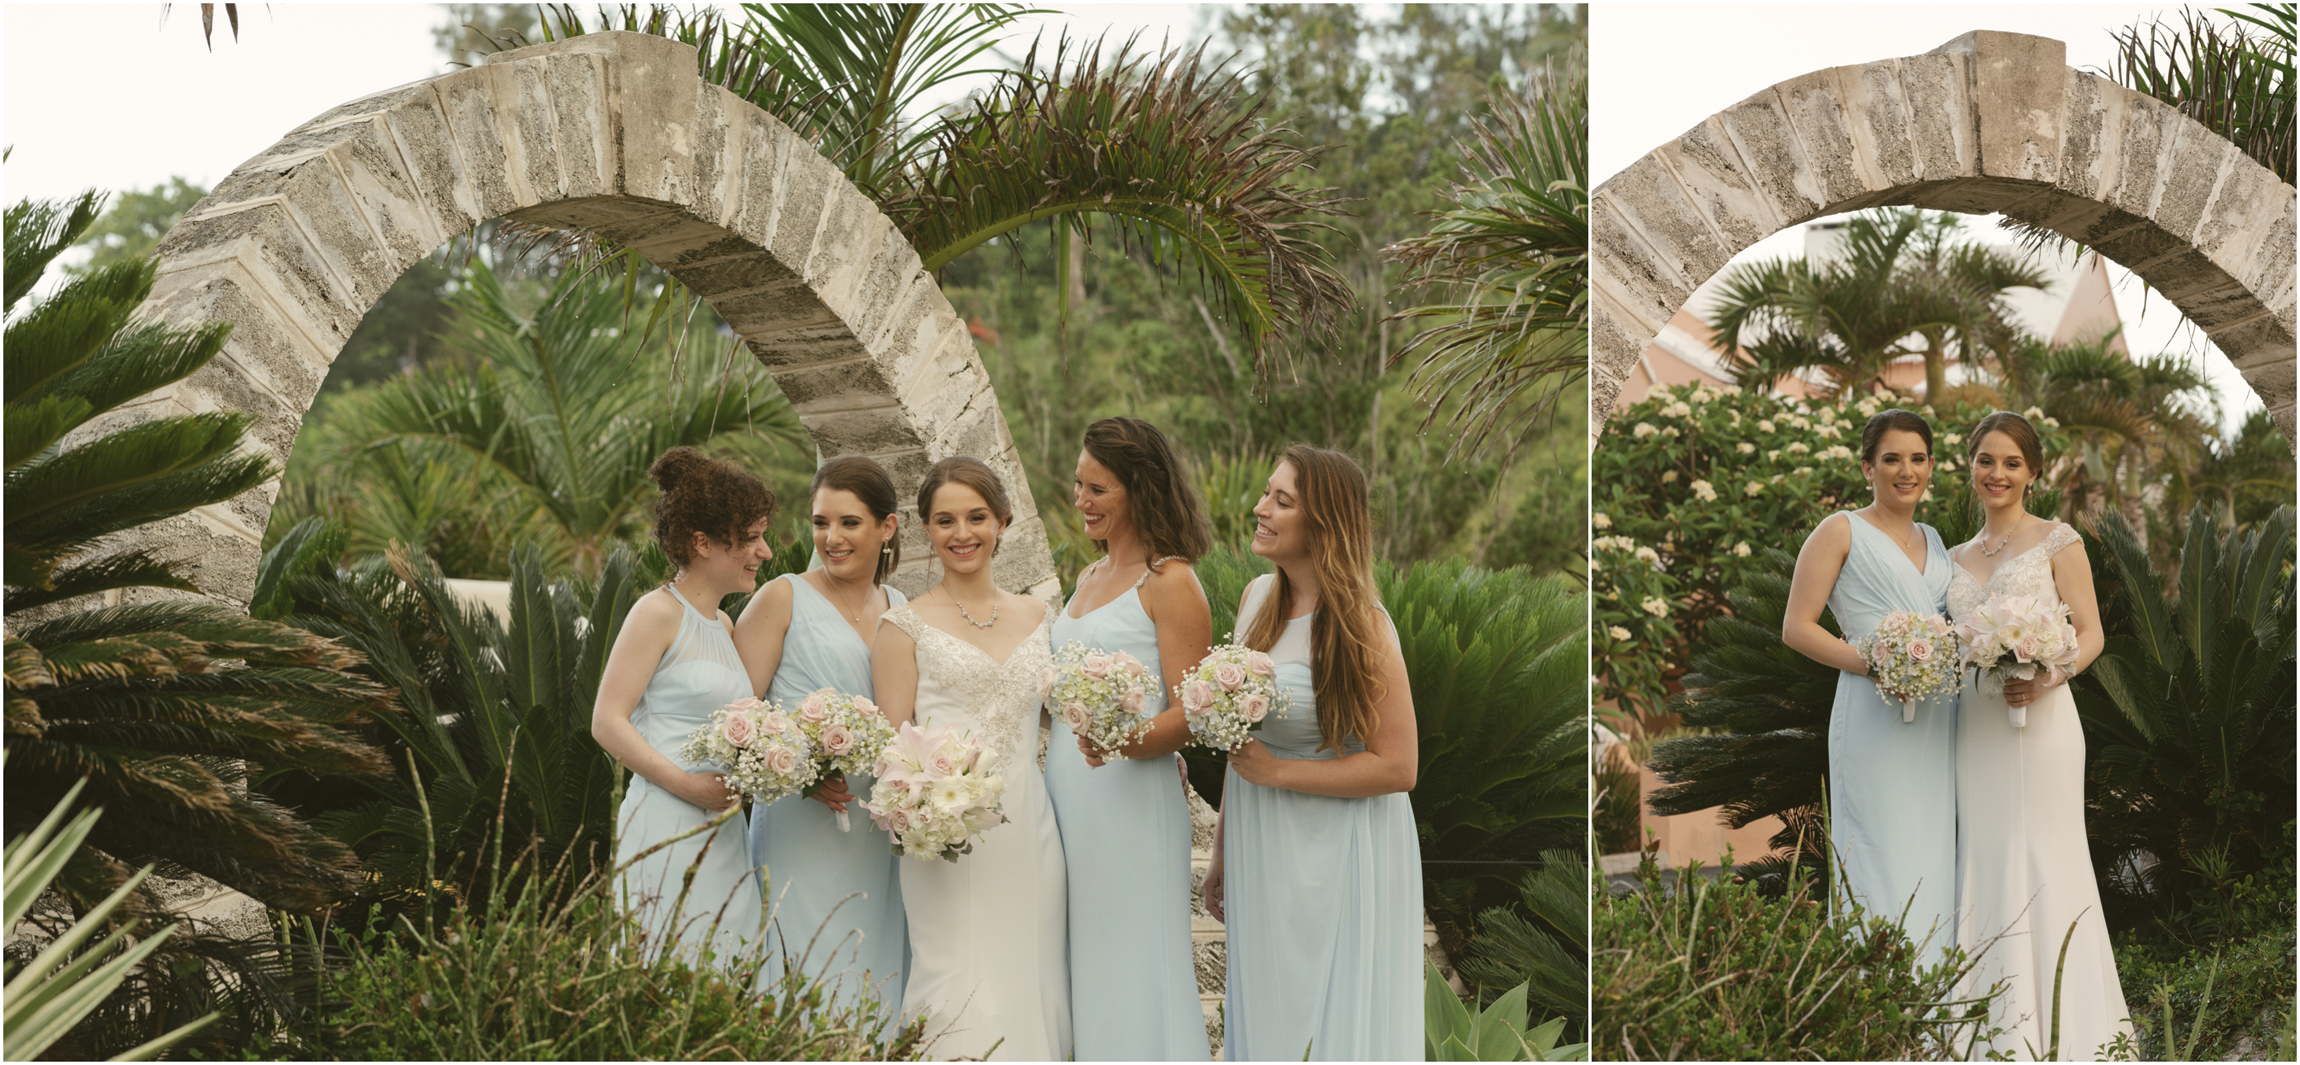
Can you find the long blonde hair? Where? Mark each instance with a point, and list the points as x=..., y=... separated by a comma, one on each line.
x=1341, y=531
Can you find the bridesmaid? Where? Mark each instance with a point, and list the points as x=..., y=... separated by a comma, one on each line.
x=1892, y=785
x=1126, y=824
x=671, y=666
x=1316, y=871
x=834, y=902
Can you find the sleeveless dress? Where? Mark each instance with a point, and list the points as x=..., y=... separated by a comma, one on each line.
x=1126, y=840
x=2023, y=868
x=987, y=948
x=1323, y=898
x=832, y=897
x=699, y=674
x=1893, y=784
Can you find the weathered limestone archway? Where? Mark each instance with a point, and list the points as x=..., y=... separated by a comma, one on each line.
x=1987, y=122
x=609, y=132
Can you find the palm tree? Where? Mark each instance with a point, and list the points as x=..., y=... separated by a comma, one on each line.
x=1511, y=256
x=2234, y=79
x=1900, y=286
x=170, y=707
x=2138, y=423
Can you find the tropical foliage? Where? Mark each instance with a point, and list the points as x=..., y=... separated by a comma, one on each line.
x=1542, y=944
x=2233, y=77
x=169, y=709
x=1497, y=1032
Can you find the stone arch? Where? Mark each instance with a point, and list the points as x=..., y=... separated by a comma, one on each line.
x=1990, y=121
x=609, y=132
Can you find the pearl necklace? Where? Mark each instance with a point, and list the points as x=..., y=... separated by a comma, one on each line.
x=970, y=617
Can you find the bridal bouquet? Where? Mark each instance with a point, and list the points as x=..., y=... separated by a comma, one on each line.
x=847, y=732
x=764, y=753
x=934, y=793
x=1911, y=655
x=2015, y=637
x=1103, y=697
x=1226, y=696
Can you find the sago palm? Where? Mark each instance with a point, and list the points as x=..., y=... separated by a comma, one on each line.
x=171, y=710
x=1509, y=257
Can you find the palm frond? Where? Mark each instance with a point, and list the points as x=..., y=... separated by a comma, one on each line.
x=38, y=231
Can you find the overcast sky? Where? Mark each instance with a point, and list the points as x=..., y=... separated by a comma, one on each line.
x=1657, y=70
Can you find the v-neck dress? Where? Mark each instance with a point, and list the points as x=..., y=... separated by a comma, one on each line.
x=1126, y=845
x=833, y=899
x=1893, y=784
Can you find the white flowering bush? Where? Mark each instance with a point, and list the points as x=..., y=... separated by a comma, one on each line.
x=1101, y=696
x=762, y=751
x=1691, y=484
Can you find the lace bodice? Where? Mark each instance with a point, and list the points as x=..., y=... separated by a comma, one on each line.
x=2028, y=573
x=960, y=684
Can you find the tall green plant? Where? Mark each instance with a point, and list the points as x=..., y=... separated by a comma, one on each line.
x=1541, y=942
x=171, y=711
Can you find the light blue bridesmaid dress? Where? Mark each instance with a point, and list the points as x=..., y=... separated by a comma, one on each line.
x=1893, y=785
x=812, y=872
x=1126, y=845
x=1323, y=898
x=699, y=674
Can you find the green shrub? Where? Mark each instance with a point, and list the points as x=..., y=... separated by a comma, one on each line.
x=1450, y=1032
x=1706, y=970
x=2248, y=1008
x=1539, y=946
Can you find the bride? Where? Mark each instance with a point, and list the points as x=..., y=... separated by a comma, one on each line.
x=988, y=943
x=2023, y=870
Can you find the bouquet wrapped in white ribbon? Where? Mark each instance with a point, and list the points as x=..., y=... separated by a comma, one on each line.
x=2017, y=637
x=1228, y=695
x=764, y=753
x=934, y=793
x=1911, y=656
x=847, y=732
x=1102, y=696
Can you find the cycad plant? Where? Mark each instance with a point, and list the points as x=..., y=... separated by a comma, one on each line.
x=171, y=709
x=1540, y=942
x=1510, y=255
x=2188, y=712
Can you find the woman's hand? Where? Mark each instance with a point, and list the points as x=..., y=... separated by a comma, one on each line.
x=833, y=793
x=2023, y=692
x=1214, y=887
x=1256, y=765
x=708, y=790
x=1093, y=758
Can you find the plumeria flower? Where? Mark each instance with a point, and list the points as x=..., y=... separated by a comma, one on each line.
x=1618, y=633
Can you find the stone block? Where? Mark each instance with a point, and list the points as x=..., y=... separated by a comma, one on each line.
x=2090, y=126
x=2268, y=269
x=581, y=124
x=2019, y=93
x=482, y=162
x=523, y=94
x=276, y=358
x=868, y=431
x=2141, y=161
x=730, y=276
x=805, y=188
x=1646, y=197
x=1719, y=186
x=850, y=222
x=1876, y=117
x=788, y=325
x=656, y=98
x=427, y=148
x=386, y=194
x=266, y=240
x=1829, y=169
x=2199, y=158
x=368, y=106
x=766, y=145
x=859, y=384
x=718, y=154
x=1626, y=269
x=1767, y=143
x=1023, y=561
x=2248, y=202
x=1941, y=134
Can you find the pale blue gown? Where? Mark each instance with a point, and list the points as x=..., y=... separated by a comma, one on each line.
x=832, y=896
x=699, y=673
x=1893, y=785
x=1323, y=898
x=1126, y=843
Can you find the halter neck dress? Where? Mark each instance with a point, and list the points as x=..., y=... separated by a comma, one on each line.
x=1893, y=784
x=832, y=897
x=699, y=674
x=1126, y=842
x=1323, y=896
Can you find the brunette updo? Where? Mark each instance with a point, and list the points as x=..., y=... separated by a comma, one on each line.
x=1886, y=421
x=2024, y=436
x=870, y=484
x=1163, y=503
x=971, y=472
x=704, y=495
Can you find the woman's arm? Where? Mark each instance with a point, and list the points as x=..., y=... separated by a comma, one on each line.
x=894, y=674
x=2072, y=577
x=1818, y=563
x=1213, y=884
x=647, y=634
x=1176, y=604
x=1390, y=762
x=759, y=633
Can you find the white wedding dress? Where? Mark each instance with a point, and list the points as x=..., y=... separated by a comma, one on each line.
x=988, y=933
x=2023, y=870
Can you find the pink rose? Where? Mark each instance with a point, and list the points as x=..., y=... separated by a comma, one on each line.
x=1074, y=715
x=736, y=729
x=1921, y=650
x=1259, y=664
x=1229, y=675
x=1046, y=680
x=1131, y=664
x=815, y=707
x=943, y=763
x=2027, y=648
x=774, y=723
x=865, y=706
x=1255, y=706
x=898, y=820
x=1132, y=701
x=1097, y=667
x=781, y=761
x=1196, y=694
x=838, y=740
x=746, y=704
